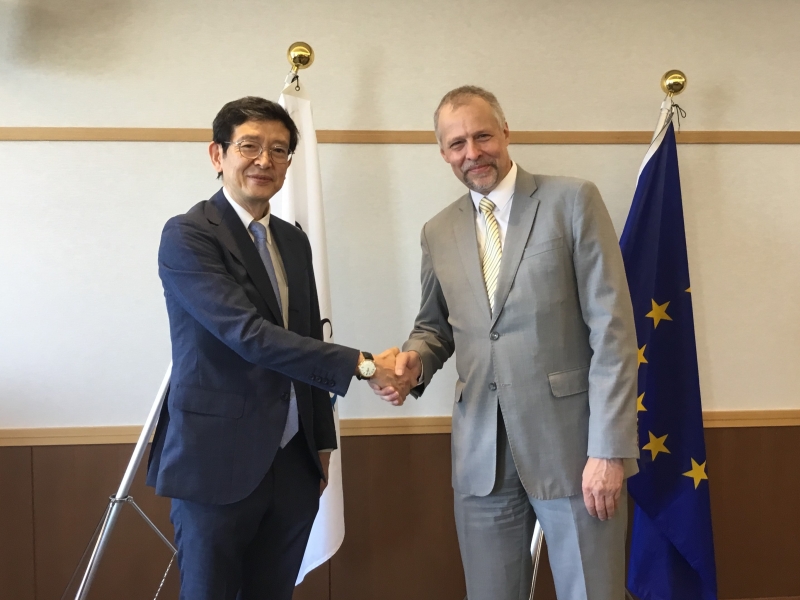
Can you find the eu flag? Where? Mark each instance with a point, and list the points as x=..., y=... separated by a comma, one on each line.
x=672, y=549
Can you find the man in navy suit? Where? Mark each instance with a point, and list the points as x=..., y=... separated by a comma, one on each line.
x=243, y=442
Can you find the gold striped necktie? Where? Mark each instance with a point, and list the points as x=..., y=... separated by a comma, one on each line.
x=492, y=250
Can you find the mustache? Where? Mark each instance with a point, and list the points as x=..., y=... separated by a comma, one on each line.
x=471, y=164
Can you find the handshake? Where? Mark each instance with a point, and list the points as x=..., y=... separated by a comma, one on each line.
x=396, y=373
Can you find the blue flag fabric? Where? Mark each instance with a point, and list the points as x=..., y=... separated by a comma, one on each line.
x=672, y=549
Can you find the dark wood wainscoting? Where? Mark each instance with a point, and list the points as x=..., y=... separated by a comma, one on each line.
x=17, y=575
x=754, y=474
x=400, y=541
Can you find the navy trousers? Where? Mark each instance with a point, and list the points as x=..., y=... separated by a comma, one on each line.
x=251, y=549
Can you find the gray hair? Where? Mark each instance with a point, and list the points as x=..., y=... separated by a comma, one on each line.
x=463, y=95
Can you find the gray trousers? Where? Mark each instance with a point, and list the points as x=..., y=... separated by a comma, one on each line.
x=587, y=556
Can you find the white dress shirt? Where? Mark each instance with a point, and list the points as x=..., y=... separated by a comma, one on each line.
x=502, y=196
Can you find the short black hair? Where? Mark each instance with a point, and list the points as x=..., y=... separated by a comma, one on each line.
x=251, y=108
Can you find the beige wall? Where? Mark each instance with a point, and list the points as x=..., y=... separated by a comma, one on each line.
x=556, y=64
x=83, y=337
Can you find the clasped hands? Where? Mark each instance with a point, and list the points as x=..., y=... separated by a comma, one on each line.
x=396, y=374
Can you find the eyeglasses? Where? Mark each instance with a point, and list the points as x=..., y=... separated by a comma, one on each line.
x=252, y=150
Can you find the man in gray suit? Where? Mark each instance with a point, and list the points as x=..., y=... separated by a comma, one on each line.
x=523, y=278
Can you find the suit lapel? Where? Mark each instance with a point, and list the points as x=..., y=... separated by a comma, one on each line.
x=520, y=223
x=467, y=242
x=234, y=236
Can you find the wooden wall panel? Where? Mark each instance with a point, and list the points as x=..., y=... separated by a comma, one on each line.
x=400, y=539
x=316, y=585
x=16, y=525
x=71, y=489
x=754, y=474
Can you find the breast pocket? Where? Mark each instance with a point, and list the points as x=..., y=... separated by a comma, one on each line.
x=541, y=247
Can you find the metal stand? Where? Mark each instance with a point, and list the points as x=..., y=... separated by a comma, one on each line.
x=118, y=500
x=536, y=552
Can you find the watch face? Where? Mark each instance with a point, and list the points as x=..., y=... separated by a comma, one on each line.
x=367, y=369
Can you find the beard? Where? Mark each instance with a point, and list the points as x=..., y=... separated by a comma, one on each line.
x=483, y=184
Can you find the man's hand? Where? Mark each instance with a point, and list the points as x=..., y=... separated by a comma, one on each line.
x=408, y=367
x=385, y=365
x=602, y=485
x=325, y=459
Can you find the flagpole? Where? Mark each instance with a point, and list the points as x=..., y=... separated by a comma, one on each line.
x=301, y=202
x=664, y=116
x=673, y=83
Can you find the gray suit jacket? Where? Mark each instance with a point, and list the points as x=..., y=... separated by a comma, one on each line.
x=559, y=354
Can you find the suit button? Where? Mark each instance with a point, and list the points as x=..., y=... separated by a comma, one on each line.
x=284, y=396
x=493, y=386
x=495, y=336
x=326, y=382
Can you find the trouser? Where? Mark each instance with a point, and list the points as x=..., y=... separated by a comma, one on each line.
x=251, y=549
x=587, y=556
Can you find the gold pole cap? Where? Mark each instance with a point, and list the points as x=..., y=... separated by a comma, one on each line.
x=673, y=82
x=300, y=56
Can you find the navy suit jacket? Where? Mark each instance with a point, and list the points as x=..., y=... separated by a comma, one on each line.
x=232, y=359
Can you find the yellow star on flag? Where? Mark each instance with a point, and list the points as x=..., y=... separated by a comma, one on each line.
x=642, y=359
x=656, y=445
x=698, y=473
x=640, y=404
x=659, y=313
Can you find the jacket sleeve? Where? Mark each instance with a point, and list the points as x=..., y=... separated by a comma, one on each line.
x=191, y=269
x=432, y=336
x=606, y=307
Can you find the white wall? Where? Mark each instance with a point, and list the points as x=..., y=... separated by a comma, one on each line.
x=83, y=337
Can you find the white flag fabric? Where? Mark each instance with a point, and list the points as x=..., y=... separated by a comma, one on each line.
x=301, y=202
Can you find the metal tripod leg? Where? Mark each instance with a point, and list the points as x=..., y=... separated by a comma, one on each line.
x=536, y=552
x=122, y=493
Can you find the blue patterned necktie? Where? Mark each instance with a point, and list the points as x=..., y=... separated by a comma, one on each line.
x=260, y=234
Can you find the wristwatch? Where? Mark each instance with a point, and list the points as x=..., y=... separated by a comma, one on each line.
x=366, y=368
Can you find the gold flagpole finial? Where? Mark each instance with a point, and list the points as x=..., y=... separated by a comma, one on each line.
x=300, y=56
x=673, y=82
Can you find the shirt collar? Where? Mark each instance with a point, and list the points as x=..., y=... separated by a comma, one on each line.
x=246, y=217
x=502, y=194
